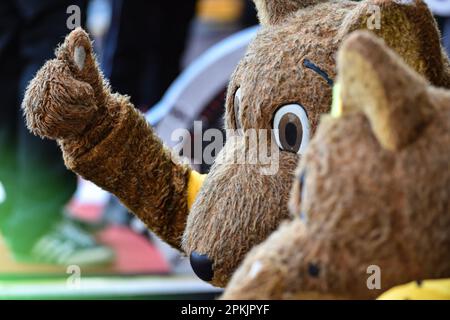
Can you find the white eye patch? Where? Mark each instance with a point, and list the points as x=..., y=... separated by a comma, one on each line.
x=2, y=193
x=291, y=128
x=79, y=56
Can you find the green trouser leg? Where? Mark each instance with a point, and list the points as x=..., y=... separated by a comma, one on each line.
x=32, y=171
x=36, y=185
x=7, y=170
x=42, y=187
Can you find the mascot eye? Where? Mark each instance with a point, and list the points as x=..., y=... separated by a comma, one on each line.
x=237, y=106
x=291, y=128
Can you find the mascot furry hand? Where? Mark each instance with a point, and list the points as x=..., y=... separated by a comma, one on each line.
x=372, y=193
x=283, y=83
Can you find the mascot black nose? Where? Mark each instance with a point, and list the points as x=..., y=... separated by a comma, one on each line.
x=202, y=266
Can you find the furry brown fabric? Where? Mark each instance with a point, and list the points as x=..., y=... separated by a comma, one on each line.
x=106, y=141
x=241, y=215
x=271, y=12
x=369, y=196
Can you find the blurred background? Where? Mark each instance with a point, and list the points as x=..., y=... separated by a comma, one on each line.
x=62, y=237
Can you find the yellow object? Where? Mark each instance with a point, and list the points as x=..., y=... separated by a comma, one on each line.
x=220, y=10
x=425, y=290
x=195, y=183
x=336, y=106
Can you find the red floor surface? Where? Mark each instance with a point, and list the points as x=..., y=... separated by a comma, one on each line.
x=134, y=253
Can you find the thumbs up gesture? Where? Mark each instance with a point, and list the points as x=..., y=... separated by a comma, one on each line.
x=68, y=95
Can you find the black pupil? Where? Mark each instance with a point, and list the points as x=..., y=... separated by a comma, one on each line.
x=291, y=134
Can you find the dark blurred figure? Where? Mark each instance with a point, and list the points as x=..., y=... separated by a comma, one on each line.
x=142, y=51
x=141, y=56
x=444, y=25
x=249, y=15
x=441, y=11
x=33, y=177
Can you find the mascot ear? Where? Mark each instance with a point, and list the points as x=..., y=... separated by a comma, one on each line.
x=271, y=12
x=409, y=28
x=375, y=81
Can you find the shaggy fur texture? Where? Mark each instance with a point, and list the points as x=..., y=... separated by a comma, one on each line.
x=106, y=141
x=369, y=197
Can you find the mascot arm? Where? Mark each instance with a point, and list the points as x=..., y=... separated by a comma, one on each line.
x=125, y=157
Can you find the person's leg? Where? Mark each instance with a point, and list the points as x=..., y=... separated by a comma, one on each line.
x=130, y=60
x=125, y=57
x=175, y=25
x=9, y=79
x=34, y=225
x=148, y=47
x=249, y=17
x=143, y=52
x=44, y=184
